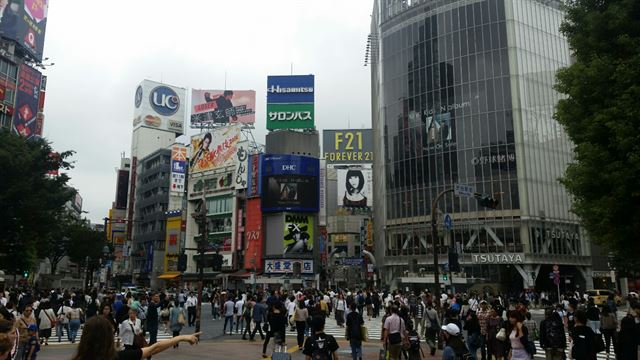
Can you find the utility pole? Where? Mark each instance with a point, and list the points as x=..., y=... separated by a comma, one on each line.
x=434, y=236
x=201, y=218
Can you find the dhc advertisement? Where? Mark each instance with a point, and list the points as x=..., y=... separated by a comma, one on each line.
x=290, y=183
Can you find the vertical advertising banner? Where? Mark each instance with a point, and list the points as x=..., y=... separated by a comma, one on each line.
x=178, y=169
x=298, y=234
x=24, y=117
x=172, y=245
x=214, y=149
x=254, y=176
x=242, y=163
x=159, y=106
x=355, y=187
x=25, y=22
x=322, y=196
x=222, y=107
x=290, y=102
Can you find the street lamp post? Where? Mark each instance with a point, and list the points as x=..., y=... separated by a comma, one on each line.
x=201, y=217
x=106, y=251
x=434, y=236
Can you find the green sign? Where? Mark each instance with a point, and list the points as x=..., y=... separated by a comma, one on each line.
x=290, y=116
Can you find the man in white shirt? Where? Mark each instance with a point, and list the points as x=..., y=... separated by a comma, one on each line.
x=291, y=309
x=229, y=307
x=239, y=306
x=191, y=303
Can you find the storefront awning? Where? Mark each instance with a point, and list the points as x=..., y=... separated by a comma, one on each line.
x=168, y=276
x=243, y=274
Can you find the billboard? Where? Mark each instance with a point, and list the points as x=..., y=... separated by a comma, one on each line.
x=214, y=149
x=298, y=234
x=25, y=22
x=254, y=180
x=159, y=106
x=285, y=266
x=178, y=169
x=348, y=146
x=242, y=164
x=290, y=102
x=172, y=245
x=290, y=183
x=27, y=92
x=355, y=187
x=439, y=130
x=222, y=107
x=253, y=236
x=122, y=189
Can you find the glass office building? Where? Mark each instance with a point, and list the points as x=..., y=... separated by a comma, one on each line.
x=462, y=92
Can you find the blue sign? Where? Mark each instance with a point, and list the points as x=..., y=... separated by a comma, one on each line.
x=292, y=89
x=290, y=183
x=178, y=166
x=164, y=100
x=448, y=222
x=352, y=262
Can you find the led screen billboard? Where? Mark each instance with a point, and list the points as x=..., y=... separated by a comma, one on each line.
x=290, y=183
x=222, y=107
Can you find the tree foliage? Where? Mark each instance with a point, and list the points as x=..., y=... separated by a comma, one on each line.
x=30, y=198
x=601, y=115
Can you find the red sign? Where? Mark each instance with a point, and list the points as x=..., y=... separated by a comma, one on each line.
x=3, y=90
x=253, y=236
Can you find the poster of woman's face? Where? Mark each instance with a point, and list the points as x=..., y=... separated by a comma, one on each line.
x=355, y=188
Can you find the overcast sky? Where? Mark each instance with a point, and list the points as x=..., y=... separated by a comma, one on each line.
x=102, y=50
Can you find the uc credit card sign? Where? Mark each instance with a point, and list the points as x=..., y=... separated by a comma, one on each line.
x=290, y=102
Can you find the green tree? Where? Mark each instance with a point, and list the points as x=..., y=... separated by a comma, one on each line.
x=30, y=198
x=601, y=115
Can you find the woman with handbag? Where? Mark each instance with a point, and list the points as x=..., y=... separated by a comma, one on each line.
x=62, y=321
x=47, y=321
x=177, y=319
x=608, y=326
x=74, y=321
x=496, y=335
x=300, y=317
x=129, y=329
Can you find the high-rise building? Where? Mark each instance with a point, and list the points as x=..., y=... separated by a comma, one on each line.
x=462, y=93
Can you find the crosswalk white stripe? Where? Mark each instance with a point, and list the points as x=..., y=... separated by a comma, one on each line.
x=53, y=340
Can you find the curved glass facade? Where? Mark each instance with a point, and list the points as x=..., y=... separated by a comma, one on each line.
x=462, y=93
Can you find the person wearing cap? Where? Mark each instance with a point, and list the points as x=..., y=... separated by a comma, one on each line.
x=454, y=346
x=32, y=346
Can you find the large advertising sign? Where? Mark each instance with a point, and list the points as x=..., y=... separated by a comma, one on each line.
x=298, y=234
x=25, y=22
x=285, y=266
x=172, y=245
x=214, y=149
x=253, y=236
x=439, y=130
x=26, y=111
x=178, y=169
x=355, y=187
x=290, y=102
x=122, y=189
x=222, y=107
x=348, y=146
x=159, y=106
x=242, y=164
x=290, y=183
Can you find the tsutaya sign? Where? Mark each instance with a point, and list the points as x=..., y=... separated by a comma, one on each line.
x=498, y=258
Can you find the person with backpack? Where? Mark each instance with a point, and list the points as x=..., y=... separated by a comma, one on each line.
x=354, y=332
x=583, y=338
x=320, y=346
x=552, y=338
x=415, y=350
x=608, y=326
x=432, y=327
x=177, y=320
x=247, y=315
x=454, y=349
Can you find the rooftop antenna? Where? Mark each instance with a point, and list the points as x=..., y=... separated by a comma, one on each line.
x=291, y=68
x=225, y=80
x=161, y=78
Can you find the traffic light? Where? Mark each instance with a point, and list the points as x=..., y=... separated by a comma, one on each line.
x=445, y=277
x=454, y=264
x=488, y=202
x=182, y=262
x=217, y=262
x=26, y=274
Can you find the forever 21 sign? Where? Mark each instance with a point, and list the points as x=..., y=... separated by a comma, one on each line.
x=6, y=109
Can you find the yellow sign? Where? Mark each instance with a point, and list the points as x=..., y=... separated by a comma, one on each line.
x=172, y=246
x=340, y=238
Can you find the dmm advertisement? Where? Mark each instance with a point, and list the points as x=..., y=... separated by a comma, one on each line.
x=172, y=245
x=25, y=22
x=290, y=183
x=298, y=234
x=348, y=146
x=253, y=236
x=24, y=116
x=178, y=169
x=222, y=107
x=214, y=149
x=355, y=187
x=159, y=106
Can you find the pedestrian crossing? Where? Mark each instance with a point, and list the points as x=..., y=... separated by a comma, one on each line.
x=374, y=329
x=53, y=340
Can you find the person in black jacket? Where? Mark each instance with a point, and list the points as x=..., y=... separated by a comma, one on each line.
x=472, y=325
x=584, y=339
x=277, y=319
x=552, y=337
x=627, y=342
x=354, y=332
